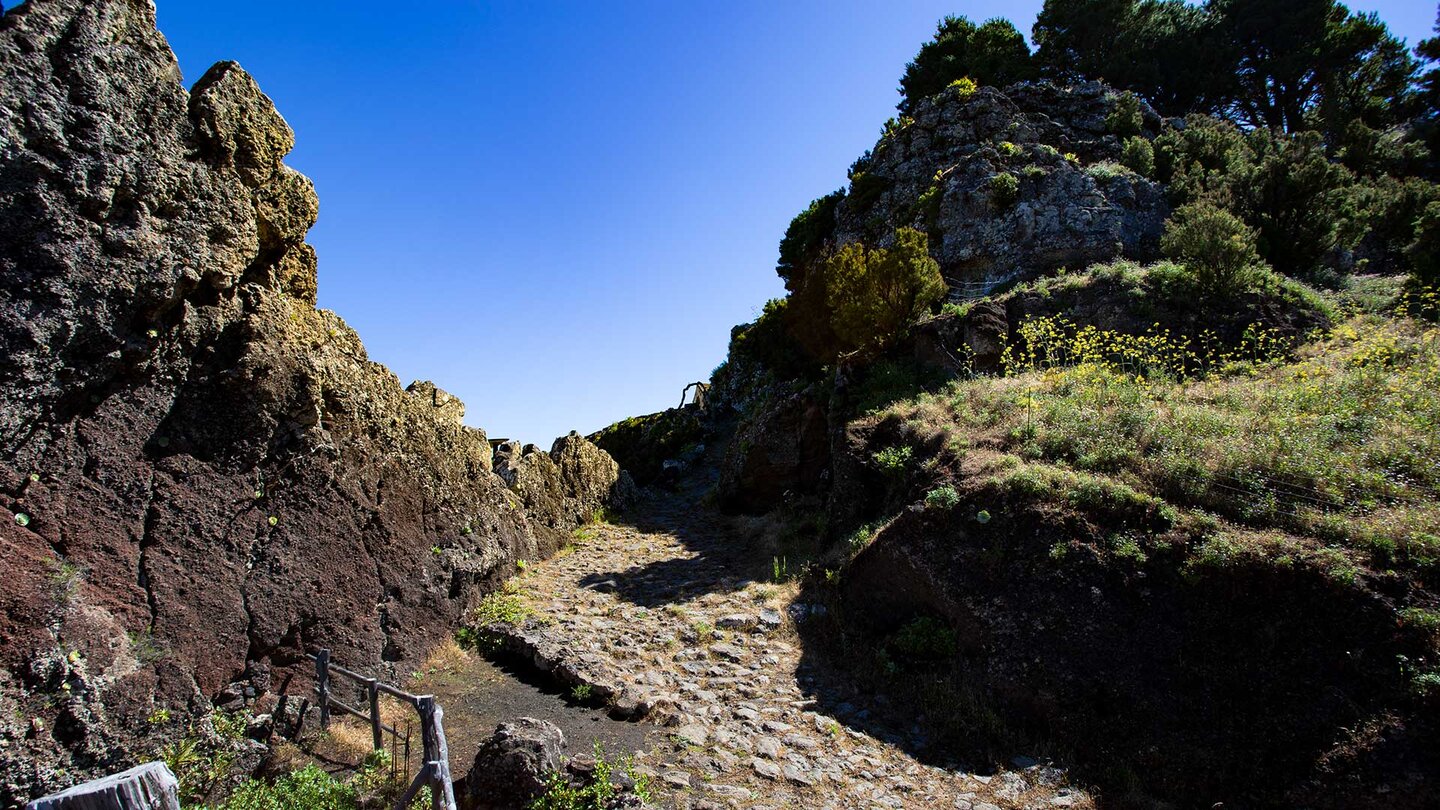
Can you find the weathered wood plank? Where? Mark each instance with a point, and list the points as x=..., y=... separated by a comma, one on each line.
x=146, y=787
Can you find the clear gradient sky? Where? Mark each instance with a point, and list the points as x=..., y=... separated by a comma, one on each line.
x=556, y=211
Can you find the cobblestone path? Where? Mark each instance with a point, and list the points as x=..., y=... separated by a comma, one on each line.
x=657, y=618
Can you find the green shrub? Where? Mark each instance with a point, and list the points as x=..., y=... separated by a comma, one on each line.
x=1004, y=189
x=309, y=788
x=1125, y=118
x=942, y=497
x=1423, y=254
x=964, y=86
x=500, y=608
x=895, y=460
x=865, y=189
x=597, y=791
x=1425, y=620
x=993, y=53
x=873, y=293
x=927, y=206
x=1138, y=155
x=806, y=237
x=924, y=640
x=1302, y=205
x=1214, y=245
x=1106, y=170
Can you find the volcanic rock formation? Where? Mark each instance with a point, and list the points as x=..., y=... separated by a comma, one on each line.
x=204, y=475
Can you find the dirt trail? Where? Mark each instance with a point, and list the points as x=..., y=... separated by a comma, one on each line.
x=660, y=614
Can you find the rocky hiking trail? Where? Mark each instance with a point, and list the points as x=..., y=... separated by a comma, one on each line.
x=658, y=617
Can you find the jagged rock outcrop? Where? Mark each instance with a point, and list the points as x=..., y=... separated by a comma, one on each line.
x=564, y=488
x=1008, y=183
x=203, y=475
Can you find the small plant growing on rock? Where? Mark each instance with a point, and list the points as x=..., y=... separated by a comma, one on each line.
x=779, y=569
x=1425, y=620
x=146, y=648
x=500, y=608
x=599, y=790
x=924, y=640
x=964, y=87
x=581, y=692
x=1004, y=189
x=65, y=581
x=703, y=630
x=1125, y=118
x=942, y=497
x=1138, y=155
x=1106, y=170
x=894, y=460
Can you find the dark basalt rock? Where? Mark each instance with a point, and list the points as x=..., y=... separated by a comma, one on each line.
x=204, y=476
x=512, y=767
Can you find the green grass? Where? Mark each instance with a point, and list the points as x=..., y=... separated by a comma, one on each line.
x=505, y=606
x=596, y=793
x=1338, y=443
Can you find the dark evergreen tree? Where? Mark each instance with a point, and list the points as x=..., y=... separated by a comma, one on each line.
x=994, y=53
x=1160, y=49
x=1303, y=64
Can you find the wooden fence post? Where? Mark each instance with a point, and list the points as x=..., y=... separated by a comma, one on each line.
x=322, y=685
x=442, y=790
x=373, y=688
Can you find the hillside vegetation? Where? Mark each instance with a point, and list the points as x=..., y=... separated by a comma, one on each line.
x=1150, y=480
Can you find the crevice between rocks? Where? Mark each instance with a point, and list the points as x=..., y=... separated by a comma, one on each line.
x=142, y=575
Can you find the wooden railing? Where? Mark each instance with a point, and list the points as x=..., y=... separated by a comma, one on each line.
x=435, y=765
x=701, y=391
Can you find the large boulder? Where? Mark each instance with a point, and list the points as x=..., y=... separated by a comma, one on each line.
x=564, y=488
x=589, y=478
x=513, y=766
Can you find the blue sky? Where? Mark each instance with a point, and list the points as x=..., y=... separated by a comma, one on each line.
x=556, y=211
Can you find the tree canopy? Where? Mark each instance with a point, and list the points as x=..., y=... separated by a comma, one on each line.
x=993, y=53
x=1287, y=65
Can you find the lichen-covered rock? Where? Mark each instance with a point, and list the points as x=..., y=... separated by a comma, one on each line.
x=203, y=476
x=535, y=478
x=589, y=477
x=564, y=488
x=1008, y=183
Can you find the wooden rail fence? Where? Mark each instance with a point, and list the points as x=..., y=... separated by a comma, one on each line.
x=435, y=767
